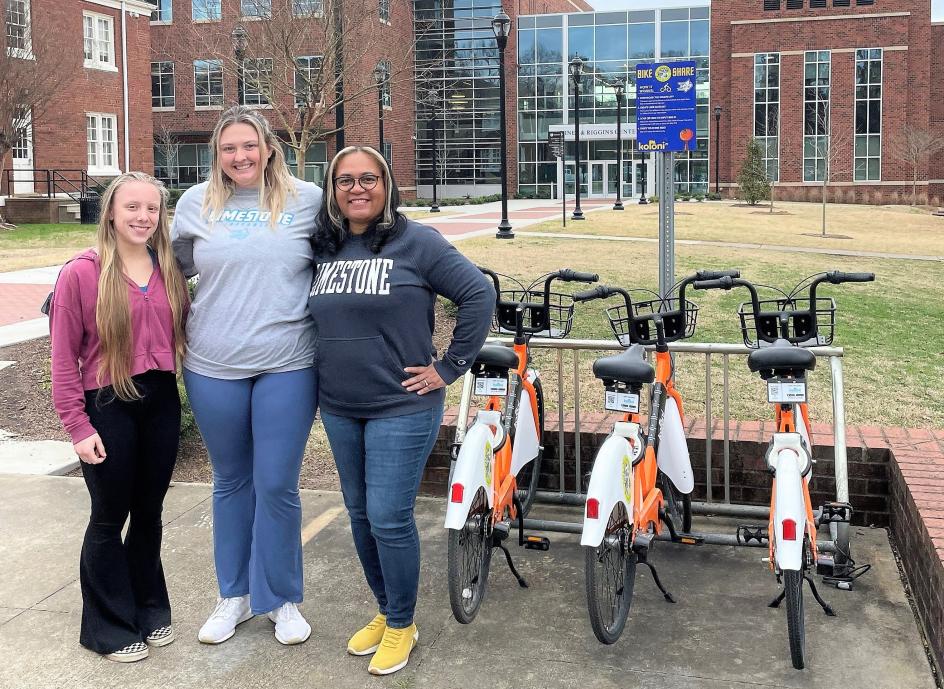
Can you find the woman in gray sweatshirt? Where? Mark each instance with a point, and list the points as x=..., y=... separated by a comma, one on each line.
x=382, y=386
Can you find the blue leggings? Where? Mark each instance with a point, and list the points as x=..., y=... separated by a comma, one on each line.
x=255, y=430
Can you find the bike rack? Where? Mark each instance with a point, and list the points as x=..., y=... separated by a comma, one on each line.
x=709, y=507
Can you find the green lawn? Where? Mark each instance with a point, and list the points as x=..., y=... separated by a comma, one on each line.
x=890, y=329
x=34, y=246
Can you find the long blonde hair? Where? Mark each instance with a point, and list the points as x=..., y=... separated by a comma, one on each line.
x=277, y=181
x=113, y=310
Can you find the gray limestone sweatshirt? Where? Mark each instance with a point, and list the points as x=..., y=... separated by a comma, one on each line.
x=249, y=314
x=374, y=316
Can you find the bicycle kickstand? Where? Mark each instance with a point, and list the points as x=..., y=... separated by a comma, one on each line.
x=827, y=608
x=643, y=559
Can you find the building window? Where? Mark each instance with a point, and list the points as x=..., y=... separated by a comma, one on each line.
x=163, y=11
x=101, y=135
x=316, y=161
x=816, y=81
x=771, y=4
x=388, y=153
x=162, y=84
x=306, y=8
x=767, y=110
x=181, y=165
x=307, y=79
x=385, y=11
x=17, y=22
x=206, y=10
x=255, y=81
x=817, y=4
x=208, y=83
x=255, y=8
x=868, y=115
x=99, y=41
x=841, y=3
x=794, y=4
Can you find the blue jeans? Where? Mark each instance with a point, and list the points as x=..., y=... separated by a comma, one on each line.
x=381, y=462
x=255, y=430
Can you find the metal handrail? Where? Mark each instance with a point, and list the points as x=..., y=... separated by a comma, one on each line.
x=53, y=180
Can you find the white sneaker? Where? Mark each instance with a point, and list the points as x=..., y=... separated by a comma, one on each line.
x=222, y=622
x=290, y=626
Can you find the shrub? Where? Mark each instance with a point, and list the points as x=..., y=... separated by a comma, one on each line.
x=714, y=196
x=753, y=183
x=654, y=198
x=699, y=197
x=464, y=201
x=175, y=195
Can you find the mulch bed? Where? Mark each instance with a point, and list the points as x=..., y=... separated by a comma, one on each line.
x=26, y=410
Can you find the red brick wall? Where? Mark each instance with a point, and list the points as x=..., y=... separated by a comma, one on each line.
x=732, y=49
x=59, y=135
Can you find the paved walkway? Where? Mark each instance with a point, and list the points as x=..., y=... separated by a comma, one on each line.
x=720, y=634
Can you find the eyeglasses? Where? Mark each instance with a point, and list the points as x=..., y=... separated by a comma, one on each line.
x=346, y=182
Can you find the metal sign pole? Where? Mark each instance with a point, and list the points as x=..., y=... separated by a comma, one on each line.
x=563, y=179
x=665, y=167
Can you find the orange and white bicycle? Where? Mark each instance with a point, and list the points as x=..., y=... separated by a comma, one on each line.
x=779, y=330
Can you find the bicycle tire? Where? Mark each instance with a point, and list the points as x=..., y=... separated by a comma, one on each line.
x=469, y=554
x=610, y=576
x=843, y=555
x=529, y=476
x=796, y=629
x=677, y=504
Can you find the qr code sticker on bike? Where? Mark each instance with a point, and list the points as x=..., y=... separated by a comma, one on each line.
x=621, y=401
x=491, y=386
x=786, y=392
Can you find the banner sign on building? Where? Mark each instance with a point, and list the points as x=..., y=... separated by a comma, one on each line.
x=596, y=132
x=665, y=106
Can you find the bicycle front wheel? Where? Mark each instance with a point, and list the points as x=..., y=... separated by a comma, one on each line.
x=610, y=570
x=529, y=476
x=796, y=629
x=678, y=505
x=469, y=555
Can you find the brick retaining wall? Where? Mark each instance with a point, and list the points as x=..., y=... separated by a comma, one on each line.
x=896, y=479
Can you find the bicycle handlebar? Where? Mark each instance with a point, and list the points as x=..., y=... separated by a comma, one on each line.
x=703, y=275
x=568, y=275
x=835, y=277
x=601, y=292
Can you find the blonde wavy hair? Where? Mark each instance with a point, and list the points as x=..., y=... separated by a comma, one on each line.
x=113, y=310
x=277, y=181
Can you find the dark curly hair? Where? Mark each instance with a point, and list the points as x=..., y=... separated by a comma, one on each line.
x=331, y=226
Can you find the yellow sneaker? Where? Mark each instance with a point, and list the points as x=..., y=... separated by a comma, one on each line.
x=394, y=651
x=368, y=638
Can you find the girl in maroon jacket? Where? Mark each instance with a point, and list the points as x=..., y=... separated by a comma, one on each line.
x=117, y=327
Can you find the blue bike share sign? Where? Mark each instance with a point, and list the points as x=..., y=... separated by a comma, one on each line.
x=665, y=106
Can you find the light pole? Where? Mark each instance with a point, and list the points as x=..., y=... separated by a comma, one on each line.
x=434, y=97
x=717, y=149
x=501, y=25
x=620, y=87
x=240, y=38
x=380, y=77
x=576, y=67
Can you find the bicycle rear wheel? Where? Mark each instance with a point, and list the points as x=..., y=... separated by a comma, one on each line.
x=796, y=628
x=678, y=505
x=469, y=554
x=610, y=570
x=529, y=475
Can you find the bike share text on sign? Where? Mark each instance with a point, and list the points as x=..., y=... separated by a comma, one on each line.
x=665, y=106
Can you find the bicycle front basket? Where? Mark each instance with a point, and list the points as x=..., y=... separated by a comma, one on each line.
x=802, y=328
x=555, y=321
x=678, y=324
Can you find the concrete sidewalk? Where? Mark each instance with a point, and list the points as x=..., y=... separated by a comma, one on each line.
x=719, y=634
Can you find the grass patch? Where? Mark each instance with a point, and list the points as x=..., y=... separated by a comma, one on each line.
x=35, y=246
x=886, y=229
x=890, y=329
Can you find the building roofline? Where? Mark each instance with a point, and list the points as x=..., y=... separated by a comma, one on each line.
x=138, y=6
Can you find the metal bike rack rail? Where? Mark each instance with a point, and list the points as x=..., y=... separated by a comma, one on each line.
x=724, y=508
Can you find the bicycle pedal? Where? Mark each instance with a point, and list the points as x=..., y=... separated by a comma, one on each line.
x=690, y=539
x=835, y=512
x=537, y=543
x=750, y=532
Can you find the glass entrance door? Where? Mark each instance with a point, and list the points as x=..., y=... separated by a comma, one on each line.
x=597, y=180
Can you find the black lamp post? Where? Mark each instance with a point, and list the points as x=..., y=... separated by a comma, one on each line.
x=717, y=149
x=501, y=25
x=576, y=67
x=380, y=77
x=240, y=38
x=620, y=87
x=434, y=98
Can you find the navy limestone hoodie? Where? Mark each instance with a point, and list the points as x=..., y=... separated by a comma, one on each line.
x=374, y=316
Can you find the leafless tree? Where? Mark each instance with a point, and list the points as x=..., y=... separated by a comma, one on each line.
x=913, y=146
x=33, y=70
x=833, y=147
x=168, y=145
x=302, y=61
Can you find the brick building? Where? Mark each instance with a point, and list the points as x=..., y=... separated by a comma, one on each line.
x=101, y=121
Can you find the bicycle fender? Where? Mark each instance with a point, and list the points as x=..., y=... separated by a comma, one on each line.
x=473, y=470
x=789, y=502
x=611, y=481
x=527, y=443
x=672, y=456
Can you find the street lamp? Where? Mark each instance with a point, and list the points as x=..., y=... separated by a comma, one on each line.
x=717, y=149
x=576, y=67
x=434, y=98
x=240, y=38
x=380, y=77
x=620, y=87
x=501, y=25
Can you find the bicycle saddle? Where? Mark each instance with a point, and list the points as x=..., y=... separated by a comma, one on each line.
x=627, y=367
x=781, y=356
x=497, y=355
